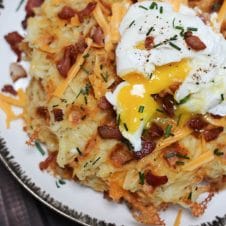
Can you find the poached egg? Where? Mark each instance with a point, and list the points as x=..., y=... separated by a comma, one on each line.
x=202, y=74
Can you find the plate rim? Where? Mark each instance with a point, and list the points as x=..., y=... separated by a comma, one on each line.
x=43, y=196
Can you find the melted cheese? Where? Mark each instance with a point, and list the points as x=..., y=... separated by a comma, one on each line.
x=222, y=13
x=178, y=218
x=20, y=102
x=73, y=72
x=199, y=161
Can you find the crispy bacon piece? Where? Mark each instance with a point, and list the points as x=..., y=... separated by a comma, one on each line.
x=197, y=123
x=120, y=155
x=29, y=8
x=66, y=13
x=147, y=148
x=58, y=114
x=149, y=43
x=97, y=35
x=17, y=71
x=80, y=46
x=109, y=132
x=14, y=39
x=43, y=112
x=194, y=42
x=9, y=89
x=103, y=104
x=46, y=163
x=86, y=11
x=167, y=101
x=69, y=58
x=154, y=180
x=154, y=132
x=212, y=134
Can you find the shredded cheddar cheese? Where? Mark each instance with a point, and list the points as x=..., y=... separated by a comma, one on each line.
x=73, y=71
x=99, y=17
x=20, y=102
x=222, y=13
x=177, y=3
x=178, y=218
x=199, y=161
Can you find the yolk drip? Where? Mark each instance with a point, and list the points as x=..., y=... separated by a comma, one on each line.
x=135, y=104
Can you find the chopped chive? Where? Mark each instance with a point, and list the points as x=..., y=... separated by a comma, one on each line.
x=161, y=9
x=57, y=185
x=141, y=178
x=56, y=105
x=80, y=92
x=182, y=156
x=168, y=131
x=222, y=97
x=118, y=119
x=20, y=4
x=159, y=110
x=174, y=22
x=170, y=155
x=61, y=182
x=181, y=29
x=78, y=150
x=150, y=75
x=184, y=100
x=192, y=29
x=86, y=56
x=218, y=152
x=178, y=120
x=153, y=5
x=141, y=109
x=85, y=99
x=86, y=164
x=190, y=196
x=104, y=77
x=142, y=7
x=173, y=38
x=39, y=147
x=149, y=31
x=179, y=163
x=131, y=23
x=101, y=66
x=125, y=126
x=96, y=160
x=174, y=46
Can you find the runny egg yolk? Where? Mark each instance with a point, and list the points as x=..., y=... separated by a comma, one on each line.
x=134, y=99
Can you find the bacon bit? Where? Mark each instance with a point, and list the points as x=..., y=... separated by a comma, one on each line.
x=14, y=39
x=168, y=104
x=120, y=155
x=154, y=132
x=58, y=114
x=103, y=104
x=17, y=71
x=109, y=132
x=80, y=46
x=147, y=148
x=97, y=35
x=29, y=8
x=224, y=179
x=154, y=180
x=197, y=123
x=193, y=41
x=46, y=163
x=9, y=89
x=65, y=63
x=86, y=11
x=43, y=112
x=149, y=42
x=66, y=13
x=212, y=134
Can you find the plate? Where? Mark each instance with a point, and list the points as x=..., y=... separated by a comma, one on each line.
x=72, y=200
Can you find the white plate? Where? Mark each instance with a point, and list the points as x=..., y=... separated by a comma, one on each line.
x=72, y=200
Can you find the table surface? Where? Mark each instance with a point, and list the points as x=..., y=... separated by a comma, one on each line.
x=19, y=208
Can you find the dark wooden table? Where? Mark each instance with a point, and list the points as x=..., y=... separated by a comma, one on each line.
x=19, y=208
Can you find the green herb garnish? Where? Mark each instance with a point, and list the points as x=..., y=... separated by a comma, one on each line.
x=105, y=76
x=174, y=38
x=222, y=97
x=190, y=196
x=184, y=100
x=182, y=156
x=161, y=9
x=131, y=23
x=218, y=152
x=149, y=31
x=20, y=4
x=125, y=126
x=153, y=5
x=160, y=110
x=170, y=155
x=141, y=178
x=61, y=182
x=141, y=109
x=78, y=150
x=179, y=163
x=39, y=147
x=86, y=56
x=96, y=160
x=142, y=7
x=168, y=131
x=192, y=29
x=174, y=46
x=118, y=119
x=178, y=120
